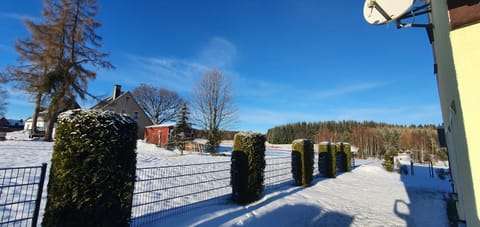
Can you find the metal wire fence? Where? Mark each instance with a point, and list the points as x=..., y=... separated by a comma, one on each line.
x=20, y=195
x=277, y=173
x=169, y=190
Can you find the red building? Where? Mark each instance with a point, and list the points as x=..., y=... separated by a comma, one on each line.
x=159, y=134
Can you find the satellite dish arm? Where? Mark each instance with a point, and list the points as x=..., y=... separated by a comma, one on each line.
x=417, y=11
x=374, y=4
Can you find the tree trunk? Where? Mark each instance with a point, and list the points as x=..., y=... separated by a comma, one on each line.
x=50, y=126
x=38, y=101
x=52, y=117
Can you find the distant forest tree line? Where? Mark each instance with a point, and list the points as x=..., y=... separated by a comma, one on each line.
x=203, y=134
x=373, y=139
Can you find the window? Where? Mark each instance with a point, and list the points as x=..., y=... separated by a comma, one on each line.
x=135, y=115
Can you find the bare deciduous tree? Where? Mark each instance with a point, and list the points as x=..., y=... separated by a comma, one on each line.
x=214, y=107
x=161, y=105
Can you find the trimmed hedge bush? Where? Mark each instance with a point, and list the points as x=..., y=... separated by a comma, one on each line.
x=302, y=161
x=388, y=162
x=248, y=166
x=93, y=170
x=344, y=157
x=327, y=159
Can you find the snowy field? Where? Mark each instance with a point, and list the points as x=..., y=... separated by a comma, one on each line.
x=367, y=196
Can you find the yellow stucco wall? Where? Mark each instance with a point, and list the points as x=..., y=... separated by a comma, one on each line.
x=457, y=55
x=466, y=55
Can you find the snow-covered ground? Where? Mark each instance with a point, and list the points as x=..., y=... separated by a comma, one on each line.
x=367, y=196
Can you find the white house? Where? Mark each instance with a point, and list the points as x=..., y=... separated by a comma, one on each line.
x=125, y=103
x=41, y=124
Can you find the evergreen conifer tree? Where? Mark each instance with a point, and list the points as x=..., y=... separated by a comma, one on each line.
x=183, y=129
x=61, y=56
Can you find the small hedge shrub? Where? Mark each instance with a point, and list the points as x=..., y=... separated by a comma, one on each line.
x=93, y=170
x=388, y=162
x=442, y=154
x=327, y=159
x=344, y=157
x=248, y=166
x=302, y=161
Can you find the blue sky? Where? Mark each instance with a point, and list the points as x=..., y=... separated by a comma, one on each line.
x=289, y=60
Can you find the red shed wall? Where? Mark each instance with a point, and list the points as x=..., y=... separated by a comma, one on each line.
x=157, y=135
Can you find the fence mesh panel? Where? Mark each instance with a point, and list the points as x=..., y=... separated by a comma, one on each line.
x=169, y=190
x=277, y=173
x=19, y=195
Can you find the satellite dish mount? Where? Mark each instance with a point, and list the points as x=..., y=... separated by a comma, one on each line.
x=417, y=11
x=380, y=12
x=372, y=4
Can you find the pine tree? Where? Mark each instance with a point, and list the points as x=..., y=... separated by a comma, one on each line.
x=57, y=61
x=183, y=128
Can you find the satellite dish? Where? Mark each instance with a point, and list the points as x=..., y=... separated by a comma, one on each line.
x=385, y=11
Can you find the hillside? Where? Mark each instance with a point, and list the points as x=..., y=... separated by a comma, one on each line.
x=373, y=139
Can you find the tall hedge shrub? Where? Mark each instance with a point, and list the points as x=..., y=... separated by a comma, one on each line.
x=344, y=157
x=327, y=159
x=248, y=166
x=93, y=170
x=302, y=161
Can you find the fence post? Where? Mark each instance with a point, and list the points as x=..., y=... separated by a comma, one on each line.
x=39, y=195
x=411, y=167
x=430, y=165
x=353, y=159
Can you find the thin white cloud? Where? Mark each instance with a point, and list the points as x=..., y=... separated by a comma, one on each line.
x=18, y=97
x=285, y=94
x=275, y=117
x=394, y=114
x=11, y=91
x=19, y=101
x=264, y=118
x=259, y=89
x=173, y=73
x=18, y=17
x=5, y=48
x=346, y=89
x=219, y=53
x=181, y=74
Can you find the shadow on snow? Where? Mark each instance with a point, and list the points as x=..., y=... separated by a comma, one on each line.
x=426, y=191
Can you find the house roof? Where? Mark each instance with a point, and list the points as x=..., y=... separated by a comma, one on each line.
x=110, y=100
x=41, y=115
x=162, y=125
x=106, y=101
x=39, y=118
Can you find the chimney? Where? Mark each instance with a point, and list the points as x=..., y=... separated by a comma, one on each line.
x=117, y=90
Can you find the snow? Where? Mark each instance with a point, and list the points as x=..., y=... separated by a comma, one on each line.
x=367, y=196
